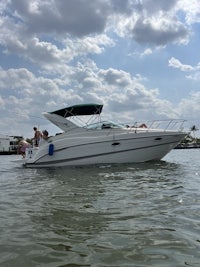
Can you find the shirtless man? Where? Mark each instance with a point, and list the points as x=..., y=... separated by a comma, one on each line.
x=37, y=136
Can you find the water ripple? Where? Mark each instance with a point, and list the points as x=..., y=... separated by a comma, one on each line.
x=109, y=215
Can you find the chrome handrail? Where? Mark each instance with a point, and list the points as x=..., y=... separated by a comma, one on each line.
x=171, y=124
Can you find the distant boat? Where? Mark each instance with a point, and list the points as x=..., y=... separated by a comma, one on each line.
x=187, y=146
x=101, y=142
x=8, y=144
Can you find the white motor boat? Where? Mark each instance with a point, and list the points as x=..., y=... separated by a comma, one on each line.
x=100, y=142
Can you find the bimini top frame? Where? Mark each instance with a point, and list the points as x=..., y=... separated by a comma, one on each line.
x=79, y=110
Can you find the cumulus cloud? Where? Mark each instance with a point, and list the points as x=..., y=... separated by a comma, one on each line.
x=60, y=17
x=154, y=22
x=175, y=63
x=159, y=31
x=52, y=34
x=192, y=72
x=191, y=10
x=188, y=110
x=29, y=95
x=147, y=51
x=51, y=48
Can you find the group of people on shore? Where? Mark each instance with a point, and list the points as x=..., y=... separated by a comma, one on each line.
x=38, y=135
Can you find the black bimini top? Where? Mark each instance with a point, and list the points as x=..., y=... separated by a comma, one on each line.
x=79, y=110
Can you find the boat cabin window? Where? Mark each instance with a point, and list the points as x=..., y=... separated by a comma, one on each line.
x=104, y=125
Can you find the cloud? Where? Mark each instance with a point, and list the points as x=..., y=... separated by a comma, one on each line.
x=146, y=52
x=149, y=22
x=159, y=31
x=60, y=17
x=175, y=63
x=193, y=71
x=29, y=95
x=189, y=107
x=155, y=23
x=52, y=55
x=190, y=9
x=2, y=103
x=115, y=77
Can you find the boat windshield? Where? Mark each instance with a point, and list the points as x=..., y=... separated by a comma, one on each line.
x=104, y=125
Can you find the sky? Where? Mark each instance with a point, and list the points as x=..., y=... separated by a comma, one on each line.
x=139, y=58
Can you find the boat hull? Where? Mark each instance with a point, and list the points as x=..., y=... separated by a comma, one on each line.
x=109, y=148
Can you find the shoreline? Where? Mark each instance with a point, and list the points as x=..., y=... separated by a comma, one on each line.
x=8, y=152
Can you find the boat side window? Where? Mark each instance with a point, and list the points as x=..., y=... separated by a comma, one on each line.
x=103, y=125
x=106, y=126
x=111, y=125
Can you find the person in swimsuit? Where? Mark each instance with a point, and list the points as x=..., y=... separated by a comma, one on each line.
x=37, y=136
x=22, y=146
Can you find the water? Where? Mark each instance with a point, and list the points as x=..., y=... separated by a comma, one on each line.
x=127, y=215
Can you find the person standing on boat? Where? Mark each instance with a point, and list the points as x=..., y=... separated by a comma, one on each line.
x=37, y=136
